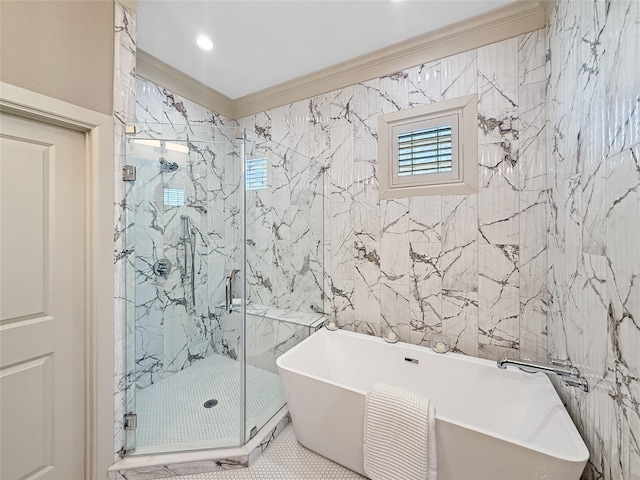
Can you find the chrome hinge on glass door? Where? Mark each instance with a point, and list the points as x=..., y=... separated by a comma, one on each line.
x=128, y=173
x=130, y=421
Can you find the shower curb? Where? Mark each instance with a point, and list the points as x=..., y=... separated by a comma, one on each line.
x=152, y=467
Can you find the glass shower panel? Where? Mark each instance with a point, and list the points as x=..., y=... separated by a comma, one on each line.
x=185, y=381
x=284, y=264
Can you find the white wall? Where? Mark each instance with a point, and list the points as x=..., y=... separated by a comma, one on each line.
x=63, y=49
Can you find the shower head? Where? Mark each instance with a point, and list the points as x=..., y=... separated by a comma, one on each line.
x=167, y=166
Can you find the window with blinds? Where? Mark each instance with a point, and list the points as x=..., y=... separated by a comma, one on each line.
x=425, y=151
x=173, y=197
x=256, y=174
x=429, y=150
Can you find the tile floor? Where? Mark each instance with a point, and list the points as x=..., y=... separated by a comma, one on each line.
x=285, y=459
x=172, y=413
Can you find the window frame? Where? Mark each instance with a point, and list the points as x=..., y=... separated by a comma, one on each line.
x=463, y=178
x=417, y=126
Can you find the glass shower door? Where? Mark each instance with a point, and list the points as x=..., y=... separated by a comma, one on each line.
x=284, y=264
x=184, y=362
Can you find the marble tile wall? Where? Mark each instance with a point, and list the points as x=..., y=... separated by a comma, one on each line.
x=124, y=87
x=593, y=108
x=161, y=329
x=284, y=234
x=173, y=329
x=474, y=266
x=285, y=229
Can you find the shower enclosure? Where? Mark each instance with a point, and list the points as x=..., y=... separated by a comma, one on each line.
x=225, y=274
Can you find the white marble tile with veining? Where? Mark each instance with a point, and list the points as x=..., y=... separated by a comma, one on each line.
x=124, y=113
x=533, y=329
x=498, y=92
x=423, y=83
x=394, y=308
x=394, y=244
x=341, y=171
x=460, y=243
x=425, y=294
x=367, y=282
x=532, y=52
x=460, y=320
x=341, y=300
x=365, y=105
x=498, y=292
x=394, y=92
x=459, y=75
x=532, y=137
x=621, y=73
x=498, y=195
x=425, y=219
x=342, y=258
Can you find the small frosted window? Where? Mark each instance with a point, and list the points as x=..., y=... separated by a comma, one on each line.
x=256, y=174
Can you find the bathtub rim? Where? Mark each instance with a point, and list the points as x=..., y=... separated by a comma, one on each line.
x=581, y=456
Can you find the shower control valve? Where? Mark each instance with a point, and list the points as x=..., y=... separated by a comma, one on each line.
x=162, y=267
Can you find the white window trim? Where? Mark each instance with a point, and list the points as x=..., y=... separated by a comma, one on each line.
x=462, y=180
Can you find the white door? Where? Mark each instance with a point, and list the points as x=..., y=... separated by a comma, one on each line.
x=42, y=301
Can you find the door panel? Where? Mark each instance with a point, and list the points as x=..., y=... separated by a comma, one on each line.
x=23, y=282
x=41, y=300
x=32, y=451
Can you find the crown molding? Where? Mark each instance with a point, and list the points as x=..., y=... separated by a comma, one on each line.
x=494, y=26
x=131, y=5
x=515, y=19
x=149, y=67
x=547, y=6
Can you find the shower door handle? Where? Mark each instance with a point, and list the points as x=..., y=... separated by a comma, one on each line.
x=228, y=297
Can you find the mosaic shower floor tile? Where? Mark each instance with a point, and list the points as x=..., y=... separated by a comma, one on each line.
x=172, y=412
x=285, y=459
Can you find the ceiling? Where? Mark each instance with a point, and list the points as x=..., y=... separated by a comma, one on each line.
x=263, y=43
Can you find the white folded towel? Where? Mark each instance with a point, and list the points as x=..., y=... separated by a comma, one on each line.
x=399, y=435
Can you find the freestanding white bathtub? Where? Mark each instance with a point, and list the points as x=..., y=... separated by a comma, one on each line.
x=490, y=423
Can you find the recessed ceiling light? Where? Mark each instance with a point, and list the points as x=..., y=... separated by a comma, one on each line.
x=205, y=43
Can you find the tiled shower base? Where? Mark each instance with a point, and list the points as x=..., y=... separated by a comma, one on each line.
x=285, y=459
x=172, y=416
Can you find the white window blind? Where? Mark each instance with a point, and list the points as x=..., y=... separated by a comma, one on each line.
x=256, y=174
x=173, y=197
x=425, y=151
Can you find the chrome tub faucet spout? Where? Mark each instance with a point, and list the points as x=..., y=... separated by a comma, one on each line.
x=570, y=375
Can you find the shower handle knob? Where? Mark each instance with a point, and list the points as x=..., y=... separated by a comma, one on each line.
x=162, y=267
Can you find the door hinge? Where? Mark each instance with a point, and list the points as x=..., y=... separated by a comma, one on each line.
x=130, y=421
x=128, y=173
